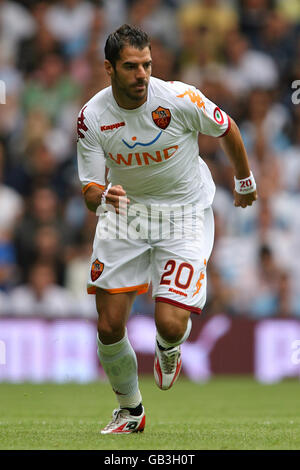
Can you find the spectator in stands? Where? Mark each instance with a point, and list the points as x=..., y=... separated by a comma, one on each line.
x=271, y=288
x=210, y=20
x=32, y=50
x=95, y=76
x=164, y=60
x=70, y=21
x=266, y=119
x=115, y=13
x=242, y=54
x=44, y=168
x=16, y=23
x=219, y=294
x=11, y=89
x=48, y=249
x=247, y=68
x=285, y=304
x=157, y=18
x=253, y=15
x=51, y=89
x=42, y=210
x=11, y=204
x=289, y=162
x=290, y=9
x=77, y=274
x=278, y=39
x=77, y=256
x=41, y=296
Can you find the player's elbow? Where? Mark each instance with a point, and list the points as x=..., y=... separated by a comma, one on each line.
x=233, y=125
x=233, y=132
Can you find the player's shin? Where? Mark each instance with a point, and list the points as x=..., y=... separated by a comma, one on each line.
x=120, y=365
x=167, y=362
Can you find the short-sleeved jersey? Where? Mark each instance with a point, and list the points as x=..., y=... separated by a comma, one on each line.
x=152, y=151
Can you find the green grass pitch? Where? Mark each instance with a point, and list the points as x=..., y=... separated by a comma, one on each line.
x=225, y=413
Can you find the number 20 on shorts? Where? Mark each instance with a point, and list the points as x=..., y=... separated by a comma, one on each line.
x=170, y=268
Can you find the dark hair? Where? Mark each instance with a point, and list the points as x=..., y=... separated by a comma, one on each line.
x=126, y=35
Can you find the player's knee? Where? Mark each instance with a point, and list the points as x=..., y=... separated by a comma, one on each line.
x=110, y=330
x=171, y=329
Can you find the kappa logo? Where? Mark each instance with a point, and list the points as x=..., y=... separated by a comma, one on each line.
x=81, y=126
x=161, y=117
x=194, y=97
x=111, y=127
x=131, y=425
x=96, y=270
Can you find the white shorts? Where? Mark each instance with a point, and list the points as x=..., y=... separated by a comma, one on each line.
x=175, y=266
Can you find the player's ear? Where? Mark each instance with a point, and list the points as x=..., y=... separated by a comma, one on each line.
x=108, y=67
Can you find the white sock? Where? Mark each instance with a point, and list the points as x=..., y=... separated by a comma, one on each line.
x=166, y=344
x=120, y=365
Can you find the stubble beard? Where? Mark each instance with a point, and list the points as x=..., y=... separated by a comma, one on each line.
x=126, y=90
x=135, y=96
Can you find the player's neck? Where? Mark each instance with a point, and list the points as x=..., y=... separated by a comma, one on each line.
x=124, y=101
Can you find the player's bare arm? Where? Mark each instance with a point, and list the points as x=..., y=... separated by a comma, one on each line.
x=115, y=196
x=233, y=146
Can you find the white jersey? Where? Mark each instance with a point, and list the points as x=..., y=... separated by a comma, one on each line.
x=152, y=151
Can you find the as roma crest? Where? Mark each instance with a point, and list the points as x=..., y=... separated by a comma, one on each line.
x=162, y=117
x=96, y=270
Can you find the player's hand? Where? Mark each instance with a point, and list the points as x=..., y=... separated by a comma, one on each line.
x=116, y=197
x=244, y=200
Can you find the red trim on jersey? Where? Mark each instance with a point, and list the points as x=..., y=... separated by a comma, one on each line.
x=179, y=304
x=228, y=128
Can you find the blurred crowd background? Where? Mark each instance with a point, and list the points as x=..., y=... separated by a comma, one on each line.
x=243, y=54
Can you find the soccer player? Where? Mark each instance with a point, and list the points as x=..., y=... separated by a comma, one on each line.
x=145, y=132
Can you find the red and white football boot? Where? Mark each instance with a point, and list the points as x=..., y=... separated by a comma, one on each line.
x=167, y=366
x=124, y=423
